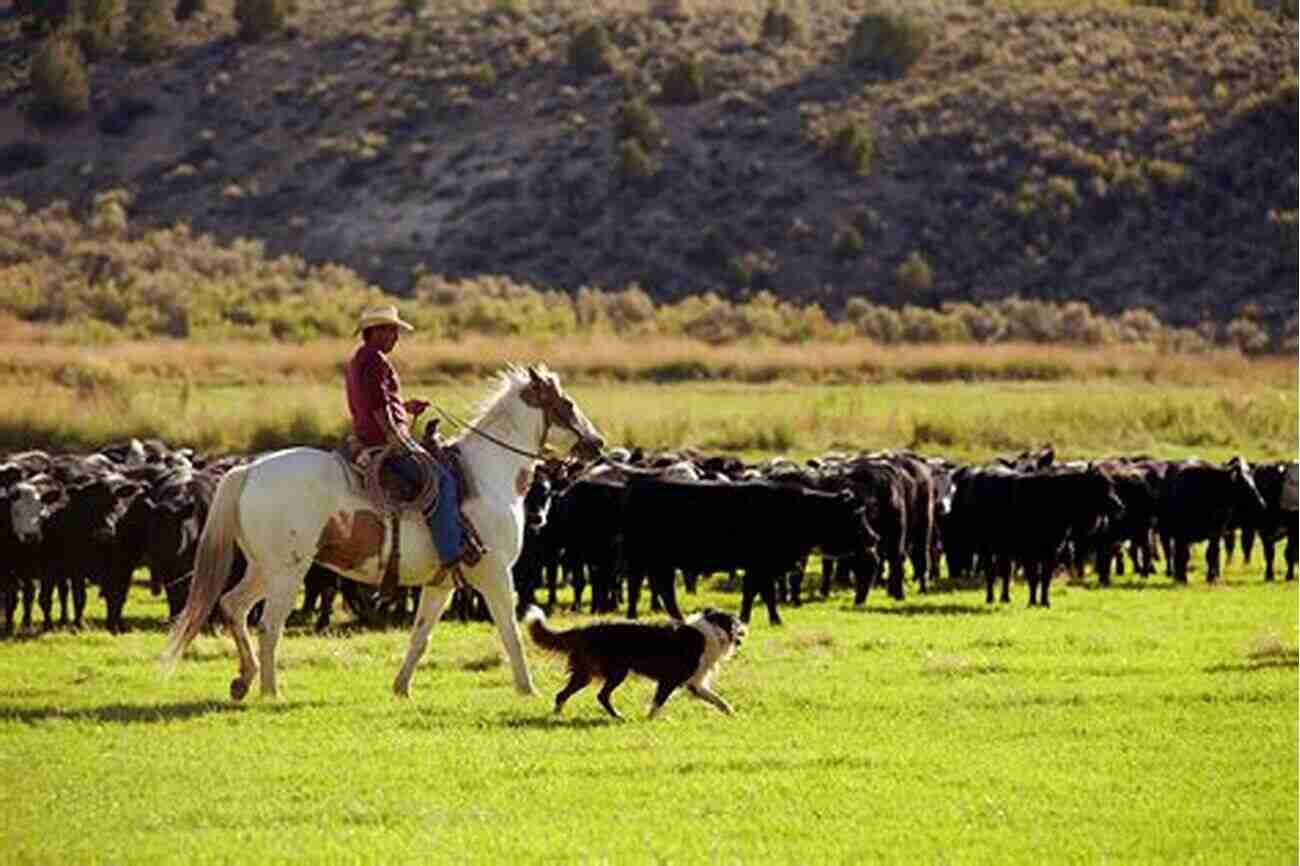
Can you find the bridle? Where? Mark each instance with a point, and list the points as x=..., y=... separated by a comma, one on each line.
x=522, y=452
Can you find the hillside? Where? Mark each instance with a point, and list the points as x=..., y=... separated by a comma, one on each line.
x=1129, y=156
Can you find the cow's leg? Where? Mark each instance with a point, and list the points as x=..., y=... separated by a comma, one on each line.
x=1031, y=577
x=1266, y=543
x=896, y=576
x=77, y=585
x=635, y=574
x=327, y=594
x=989, y=579
x=433, y=603
x=1291, y=549
x=1180, y=554
x=667, y=590
x=920, y=558
x=748, y=590
x=46, y=601
x=691, y=579
x=1105, y=557
x=1046, y=568
x=61, y=584
x=828, y=576
x=1212, y=560
x=27, y=590
x=1005, y=567
x=795, y=579
x=862, y=586
x=767, y=589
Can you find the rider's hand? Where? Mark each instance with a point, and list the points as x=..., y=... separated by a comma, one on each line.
x=416, y=407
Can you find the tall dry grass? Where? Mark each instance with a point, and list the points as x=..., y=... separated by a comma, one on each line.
x=609, y=357
x=750, y=400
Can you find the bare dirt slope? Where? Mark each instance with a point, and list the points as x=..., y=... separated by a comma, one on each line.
x=1128, y=156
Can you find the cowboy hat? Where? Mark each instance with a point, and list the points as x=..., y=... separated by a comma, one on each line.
x=382, y=316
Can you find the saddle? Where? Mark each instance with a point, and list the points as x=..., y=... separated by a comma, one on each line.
x=370, y=475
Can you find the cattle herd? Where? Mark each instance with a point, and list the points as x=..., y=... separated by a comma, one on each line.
x=635, y=518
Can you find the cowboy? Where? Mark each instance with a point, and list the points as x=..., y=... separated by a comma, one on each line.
x=380, y=417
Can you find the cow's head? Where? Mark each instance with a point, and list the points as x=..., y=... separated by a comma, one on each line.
x=28, y=508
x=844, y=528
x=101, y=503
x=1245, y=492
x=537, y=502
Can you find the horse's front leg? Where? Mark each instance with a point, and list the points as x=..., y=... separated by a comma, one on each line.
x=433, y=603
x=493, y=582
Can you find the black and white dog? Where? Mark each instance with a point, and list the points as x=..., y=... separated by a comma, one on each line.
x=672, y=654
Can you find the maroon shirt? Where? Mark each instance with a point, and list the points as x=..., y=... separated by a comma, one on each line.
x=373, y=384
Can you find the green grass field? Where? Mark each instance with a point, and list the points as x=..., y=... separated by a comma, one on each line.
x=1145, y=723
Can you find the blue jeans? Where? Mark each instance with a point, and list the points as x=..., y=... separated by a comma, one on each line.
x=444, y=517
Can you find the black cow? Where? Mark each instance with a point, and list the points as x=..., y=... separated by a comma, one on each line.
x=760, y=527
x=1198, y=502
x=78, y=540
x=584, y=528
x=1049, y=509
x=1137, y=487
x=884, y=490
x=1277, y=485
x=23, y=509
x=535, y=555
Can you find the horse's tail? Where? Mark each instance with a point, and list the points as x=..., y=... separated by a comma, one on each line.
x=212, y=563
x=542, y=635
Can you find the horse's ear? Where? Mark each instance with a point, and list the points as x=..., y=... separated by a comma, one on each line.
x=533, y=374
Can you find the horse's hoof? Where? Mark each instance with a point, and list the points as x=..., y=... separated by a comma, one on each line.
x=238, y=688
x=401, y=690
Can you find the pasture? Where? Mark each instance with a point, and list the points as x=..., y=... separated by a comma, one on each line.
x=1139, y=724
x=1256, y=416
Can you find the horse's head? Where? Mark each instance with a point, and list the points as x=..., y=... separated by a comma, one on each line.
x=543, y=392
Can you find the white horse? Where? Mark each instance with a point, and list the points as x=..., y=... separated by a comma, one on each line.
x=293, y=507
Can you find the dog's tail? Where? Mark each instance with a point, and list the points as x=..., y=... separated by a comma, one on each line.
x=542, y=635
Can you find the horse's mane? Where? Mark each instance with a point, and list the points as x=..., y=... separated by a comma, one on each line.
x=508, y=382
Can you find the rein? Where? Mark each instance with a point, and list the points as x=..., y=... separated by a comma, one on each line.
x=522, y=452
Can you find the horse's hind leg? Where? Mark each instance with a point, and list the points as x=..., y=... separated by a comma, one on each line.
x=235, y=606
x=433, y=602
x=279, y=603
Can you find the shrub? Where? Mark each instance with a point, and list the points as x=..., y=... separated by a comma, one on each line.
x=59, y=82
x=637, y=120
x=148, y=30
x=669, y=9
x=683, y=82
x=633, y=161
x=1247, y=336
x=851, y=147
x=259, y=19
x=849, y=243
x=511, y=8
x=781, y=25
x=96, y=36
x=187, y=9
x=887, y=42
x=915, y=274
x=590, y=50
x=413, y=7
